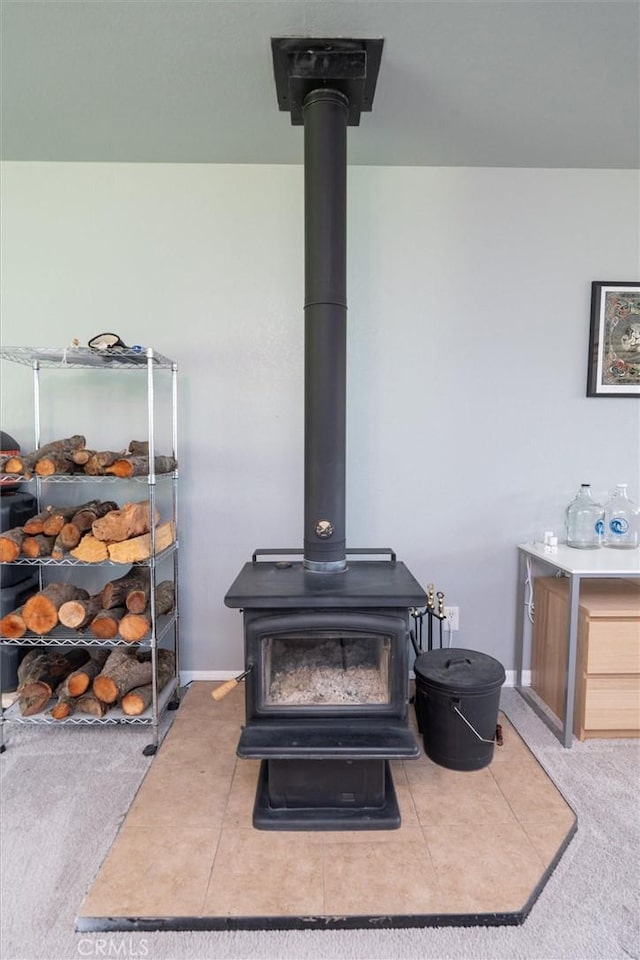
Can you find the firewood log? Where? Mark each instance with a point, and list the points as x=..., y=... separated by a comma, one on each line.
x=79, y=681
x=130, y=590
x=28, y=660
x=106, y=622
x=56, y=519
x=138, y=448
x=11, y=544
x=90, y=550
x=131, y=521
x=80, y=457
x=64, y=447
x=139, y=466
x=134, y=626
x=12, y=625
x=40, y=675
x=25, y=464
x=90, y=704
x=38, y=546
x=81, y=521
x=40, y=611
x=65, y=705
x=58, y=516
x=165, y=597
x=138, y=598
x=86, y=516
x=122, y=672
x=35, y=525
x=54, y=463
x=14, y=465
x=78, y=614
x=67, y=539
x=139, y=548
x=137, y=700
x=95, y=465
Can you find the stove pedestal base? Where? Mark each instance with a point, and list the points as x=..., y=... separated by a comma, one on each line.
x=326, y=795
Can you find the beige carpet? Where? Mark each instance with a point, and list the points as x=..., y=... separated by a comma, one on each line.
x=473, y=846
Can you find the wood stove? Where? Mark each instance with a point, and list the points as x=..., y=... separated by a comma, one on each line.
x=326, y=637
x=327, y=689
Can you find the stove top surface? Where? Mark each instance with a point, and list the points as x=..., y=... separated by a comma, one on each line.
x=364, y=583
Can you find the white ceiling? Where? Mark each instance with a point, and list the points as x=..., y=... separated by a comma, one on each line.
x=531, y=83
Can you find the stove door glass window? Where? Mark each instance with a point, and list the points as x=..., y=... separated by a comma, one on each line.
x=320, y=668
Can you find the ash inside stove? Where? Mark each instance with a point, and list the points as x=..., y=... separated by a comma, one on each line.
x=343, y=670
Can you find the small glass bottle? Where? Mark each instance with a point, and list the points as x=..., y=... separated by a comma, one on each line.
x=584, y=521
x=622, y=520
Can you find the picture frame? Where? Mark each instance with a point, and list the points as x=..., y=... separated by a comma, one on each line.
x=614, y=340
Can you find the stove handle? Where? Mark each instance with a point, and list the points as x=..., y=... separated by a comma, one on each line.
x=295, y=551
x=383, y=551
x=219, y=692
x=276, y=552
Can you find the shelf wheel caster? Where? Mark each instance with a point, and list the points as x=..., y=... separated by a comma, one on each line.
x=150, y=750
x=173, y=705
x=3, y=747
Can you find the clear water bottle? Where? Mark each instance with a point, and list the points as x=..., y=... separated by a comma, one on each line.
x=622, y=520
x=584, y=521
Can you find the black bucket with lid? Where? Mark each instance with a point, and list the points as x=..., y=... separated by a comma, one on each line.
x=457, y=702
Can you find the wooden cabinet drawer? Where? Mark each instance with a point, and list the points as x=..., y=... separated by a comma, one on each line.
x=608, y=655
x=612, y=703
x=613, y=646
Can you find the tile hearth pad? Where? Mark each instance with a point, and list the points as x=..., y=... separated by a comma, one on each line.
x=474, y=847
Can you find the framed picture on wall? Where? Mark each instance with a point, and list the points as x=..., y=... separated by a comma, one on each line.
x=614, y=340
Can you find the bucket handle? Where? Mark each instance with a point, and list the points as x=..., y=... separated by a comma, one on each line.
x=452, y=661
x=455, y=706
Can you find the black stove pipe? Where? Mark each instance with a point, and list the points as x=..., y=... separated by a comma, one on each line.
x=325, y=196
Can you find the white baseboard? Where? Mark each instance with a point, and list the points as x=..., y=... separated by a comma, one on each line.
x=186, y=676
x=512, y=676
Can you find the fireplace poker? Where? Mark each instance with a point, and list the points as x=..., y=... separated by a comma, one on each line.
x=432, y=612
x=440, y=614
x=230, y=685
x=431, y=605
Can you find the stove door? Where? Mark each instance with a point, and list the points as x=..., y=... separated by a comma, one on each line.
x=309, y=664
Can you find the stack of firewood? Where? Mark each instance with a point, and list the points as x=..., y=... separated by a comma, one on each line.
x=90, y=681
x=121, y=609
x=87, y=679
x=72, y=456
x=93, y=532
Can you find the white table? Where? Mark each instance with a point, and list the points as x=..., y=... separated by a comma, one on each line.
x=576, y=565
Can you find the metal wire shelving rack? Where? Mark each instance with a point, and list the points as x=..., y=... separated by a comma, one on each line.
x=141, y=360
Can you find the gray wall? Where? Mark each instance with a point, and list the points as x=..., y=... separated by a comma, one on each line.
x=468, y=425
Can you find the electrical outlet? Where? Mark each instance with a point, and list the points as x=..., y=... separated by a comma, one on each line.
x=453, y=617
